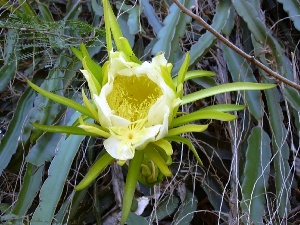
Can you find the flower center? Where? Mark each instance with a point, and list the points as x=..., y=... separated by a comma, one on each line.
x=132, y=96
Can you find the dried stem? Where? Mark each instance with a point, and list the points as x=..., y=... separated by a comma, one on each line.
x=235, y=48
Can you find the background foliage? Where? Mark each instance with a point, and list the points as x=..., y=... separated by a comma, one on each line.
x=251, y=166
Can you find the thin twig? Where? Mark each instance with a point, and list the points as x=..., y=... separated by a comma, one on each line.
x=235, y=48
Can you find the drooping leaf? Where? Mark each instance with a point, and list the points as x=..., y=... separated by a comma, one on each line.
x=293, y=9
x=57, y=175
x=256, y=175
x=199, y=48
x=9, y=142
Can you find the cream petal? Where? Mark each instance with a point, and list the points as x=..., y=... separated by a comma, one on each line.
x=104, y=111
x=165, y=126
x=150, y=136
x=114, y=147
x=119, y=121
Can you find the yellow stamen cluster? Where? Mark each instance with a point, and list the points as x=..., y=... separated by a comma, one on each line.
x=132, y=96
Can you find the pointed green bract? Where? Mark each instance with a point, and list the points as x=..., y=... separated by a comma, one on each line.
x=237, y=86
x=186, y=129
x=62, y=100
x=188, y=143
x=165, y=145
x=224, y=107
x=199, y=115
x=182, y=72
x=63, y=129
x=95, y=129
x=158, y=160
x=89, y=106
x=94, y=171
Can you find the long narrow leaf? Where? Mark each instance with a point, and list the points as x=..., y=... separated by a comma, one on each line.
x=9, y=142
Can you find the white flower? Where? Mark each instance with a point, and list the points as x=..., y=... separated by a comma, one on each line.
x=135, y=105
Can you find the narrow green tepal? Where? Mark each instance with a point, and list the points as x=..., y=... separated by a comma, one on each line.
x=62, y=100
x=223, y=88
x=158, y=160
x=94, y=171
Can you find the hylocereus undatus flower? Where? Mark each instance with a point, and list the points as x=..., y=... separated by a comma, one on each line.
x=135, y=105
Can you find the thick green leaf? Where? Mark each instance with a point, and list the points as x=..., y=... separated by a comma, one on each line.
x=55, y=182
x=174, y=28
x=237, y=86
x=292, y=7
x=45, y=12
x=256, y=175
x=134, y=219
x=186, y=210
x=8, y=69
x=29, y=189
x=166, y=207
x=201, y=47
x=281, y=152
x=44, y=149
x=293, y=97
x=9, y=142
x=151, y=15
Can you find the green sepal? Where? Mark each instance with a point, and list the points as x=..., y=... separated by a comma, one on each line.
x=165, y=145
x=167, y=76
x=95, y=70
x=89, y=106
x=182, y=72
x=63, y=129
x=130, y=185
x=146, y=172
x=224, y=107
x=94, y=171
x=127, y=50
x=237, y=86
x=62, y=100
x=153, y=154
x=77, y=53
x=201, y=114
x=161, y=150
x=105, y=69
x=195, y=74
x=186, y=129
x=188, y=143
x=94, y=128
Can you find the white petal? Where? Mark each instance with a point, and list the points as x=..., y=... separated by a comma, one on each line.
x=104, y=111
x=112, y=146
x=150, y=136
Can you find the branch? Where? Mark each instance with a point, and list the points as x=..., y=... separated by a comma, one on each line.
x=235, y=48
